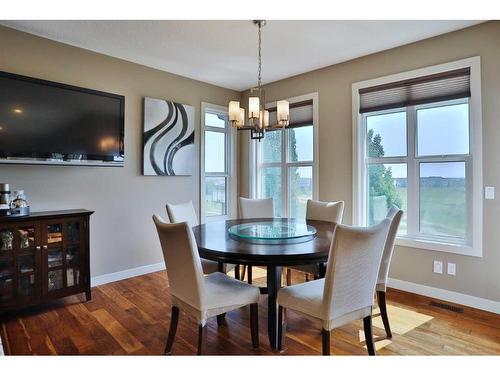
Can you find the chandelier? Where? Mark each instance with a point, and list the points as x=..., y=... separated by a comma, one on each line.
x=258, y=116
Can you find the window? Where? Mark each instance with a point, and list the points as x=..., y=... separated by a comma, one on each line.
x=218, y=186
x=286, y=162
x=423, y=156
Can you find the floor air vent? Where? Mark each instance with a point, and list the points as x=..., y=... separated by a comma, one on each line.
x=447, y=307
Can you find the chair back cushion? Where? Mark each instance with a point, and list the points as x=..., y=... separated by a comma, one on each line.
x=180, y=252
x=256, y=208
x=178, y=213
x=394, y=215
x=353, y=266
x=325, y=211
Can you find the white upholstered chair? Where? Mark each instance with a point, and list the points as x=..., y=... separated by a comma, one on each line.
x=178, y=213
x=332, y=212
x=201, y=297
x=394, y=215
x=255, y=209
x=347, y=291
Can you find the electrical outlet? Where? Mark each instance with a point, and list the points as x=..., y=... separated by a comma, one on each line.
x=489, y=192
x=438, y=266
x=452, y=269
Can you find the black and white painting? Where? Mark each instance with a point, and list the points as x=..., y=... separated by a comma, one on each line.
x=168, y=138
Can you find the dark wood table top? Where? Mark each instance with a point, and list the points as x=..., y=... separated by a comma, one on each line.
x=215, y=243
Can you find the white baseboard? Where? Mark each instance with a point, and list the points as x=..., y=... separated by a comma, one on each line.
x=429, y=291
x=446, y=295
x=126, y=274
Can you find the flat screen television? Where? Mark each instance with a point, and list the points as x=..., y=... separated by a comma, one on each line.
x=43, y=122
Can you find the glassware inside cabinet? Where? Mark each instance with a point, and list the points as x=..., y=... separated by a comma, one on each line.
x=55, y=280
x=6, y=240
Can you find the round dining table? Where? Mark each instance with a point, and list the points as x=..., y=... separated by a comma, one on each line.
x=216, y=243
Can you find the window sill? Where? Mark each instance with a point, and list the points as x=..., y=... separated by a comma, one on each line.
x=439, y=246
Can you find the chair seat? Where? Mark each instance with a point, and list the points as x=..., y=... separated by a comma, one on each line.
x=223, y=291
x=307, y=300
x=304, y=297
x=210, y=266
x=222, y=294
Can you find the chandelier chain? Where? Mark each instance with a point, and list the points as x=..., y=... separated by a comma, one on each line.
x=260, y=57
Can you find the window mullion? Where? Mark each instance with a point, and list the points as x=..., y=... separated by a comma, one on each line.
x=412, y=192
x=284, y=174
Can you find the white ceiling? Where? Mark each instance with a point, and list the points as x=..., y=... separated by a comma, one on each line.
x=224, y=53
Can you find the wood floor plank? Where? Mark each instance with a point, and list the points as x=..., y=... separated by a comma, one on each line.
x=132, y=317
x=126, y=340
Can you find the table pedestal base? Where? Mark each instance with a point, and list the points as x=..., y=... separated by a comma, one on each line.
x=273, y=285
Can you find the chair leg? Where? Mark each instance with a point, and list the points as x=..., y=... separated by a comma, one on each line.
x=367, y=324
x=383, y=312
x=281, y=328
x=322, y=270
x=288, y=277
x=174, y=319
x=202, y=338
x=220, y=319
x=254, y=324
x=243, y=272
x=325, y=342
x=237, y=272
x=249, y=274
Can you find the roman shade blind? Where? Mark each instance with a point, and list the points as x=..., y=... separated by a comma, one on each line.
x=454, y=84
x=301, y=114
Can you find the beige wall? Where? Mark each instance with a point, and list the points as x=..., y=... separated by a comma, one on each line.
x=122, y=232
x=475, y=276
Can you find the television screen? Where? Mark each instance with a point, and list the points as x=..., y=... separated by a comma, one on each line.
x=52, y=122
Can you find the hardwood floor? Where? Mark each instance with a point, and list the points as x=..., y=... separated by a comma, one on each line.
x=132, y=317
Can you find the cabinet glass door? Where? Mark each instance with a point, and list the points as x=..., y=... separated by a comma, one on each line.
x=73, y=253
x=26, y=261
x=63, y=254
x=18, y=263
x=6, y=265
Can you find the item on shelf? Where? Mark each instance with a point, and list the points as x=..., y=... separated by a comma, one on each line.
x=26, y=240
x=4, y=199
x=55, y=280
x=70, y=277
x=6, y=240
x=5, y=272
x=54, y=237
x=54, y=259
x=19, y=205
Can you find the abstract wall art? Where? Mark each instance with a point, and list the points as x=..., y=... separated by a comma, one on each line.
x=168, y=138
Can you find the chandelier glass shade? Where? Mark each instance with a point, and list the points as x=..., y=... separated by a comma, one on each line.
x=257, y=121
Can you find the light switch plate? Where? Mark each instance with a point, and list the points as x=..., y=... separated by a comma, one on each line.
x=438, y=266
x=489, y=192
x=452, y=269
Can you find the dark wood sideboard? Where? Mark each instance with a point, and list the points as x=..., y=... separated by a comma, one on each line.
x=43, y=256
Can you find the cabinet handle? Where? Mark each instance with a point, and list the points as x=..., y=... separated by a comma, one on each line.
x=38, y=248
x=45, y=247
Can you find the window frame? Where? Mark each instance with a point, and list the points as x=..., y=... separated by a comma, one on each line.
x=472, y=245
x=230, y=173
x=284, y=164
